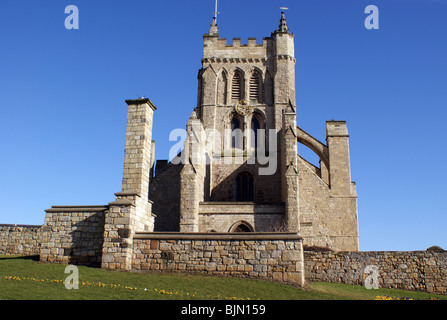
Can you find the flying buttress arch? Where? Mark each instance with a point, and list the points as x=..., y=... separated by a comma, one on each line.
x=316, y=146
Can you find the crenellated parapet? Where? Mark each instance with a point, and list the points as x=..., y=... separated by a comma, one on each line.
x=220, y=48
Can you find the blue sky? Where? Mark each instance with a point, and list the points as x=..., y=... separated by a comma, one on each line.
x=63, y=115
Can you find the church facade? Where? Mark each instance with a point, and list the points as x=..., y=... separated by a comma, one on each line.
x=240, y=169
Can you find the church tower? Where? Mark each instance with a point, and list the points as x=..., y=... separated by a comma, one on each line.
x=240, y=169
x=246, y=95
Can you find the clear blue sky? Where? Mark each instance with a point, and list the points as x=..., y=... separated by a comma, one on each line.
x=63, y=115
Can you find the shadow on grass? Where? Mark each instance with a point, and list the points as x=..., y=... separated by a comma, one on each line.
x=34, y=258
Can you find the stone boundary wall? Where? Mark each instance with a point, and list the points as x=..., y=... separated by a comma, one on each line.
x=277, y=257
x=20, y=240
x=73, y=235
x=409, y=270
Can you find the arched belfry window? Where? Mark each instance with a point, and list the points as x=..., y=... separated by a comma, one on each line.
x=222, y=89
x=268, y=89
x=255, y=87
x=237, y=87
x=244, y=187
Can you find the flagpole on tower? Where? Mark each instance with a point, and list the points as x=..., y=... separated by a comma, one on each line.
x=215, y=11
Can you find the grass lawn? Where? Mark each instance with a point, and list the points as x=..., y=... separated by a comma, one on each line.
x=24, y=278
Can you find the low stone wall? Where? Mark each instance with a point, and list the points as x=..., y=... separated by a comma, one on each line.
x=410, y=270
x=73, y=234
x=273, y=256
x=19, y=240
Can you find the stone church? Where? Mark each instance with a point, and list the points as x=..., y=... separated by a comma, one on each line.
x=237, y=200
x=240, y=169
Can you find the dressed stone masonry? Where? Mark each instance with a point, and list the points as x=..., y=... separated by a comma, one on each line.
x=131, y=211
x=273, y=256
x=73, y=234
x=408, y=270
x=20, y=240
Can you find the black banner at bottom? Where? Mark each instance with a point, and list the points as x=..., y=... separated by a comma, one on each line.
x=223, y=309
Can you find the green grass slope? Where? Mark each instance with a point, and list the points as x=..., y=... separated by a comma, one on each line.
x=24, y=278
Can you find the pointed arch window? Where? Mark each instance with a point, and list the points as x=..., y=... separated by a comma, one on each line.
x=242, y=227
x=237, y=87
x=255, y=87
x=236, y=133
x=255, y=126
x=244, y=187
x=222, y=89
x=268, y=89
